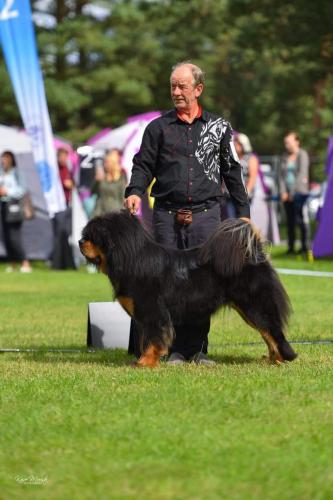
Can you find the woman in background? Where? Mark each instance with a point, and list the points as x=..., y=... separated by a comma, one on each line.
x=263, y=214
x=11, y=189
x=110, y=183
x=250, y=168
x=249, y=162
x=294, y=190
x=62, y=253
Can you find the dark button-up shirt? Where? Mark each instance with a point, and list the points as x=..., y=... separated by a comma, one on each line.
x=189, y=162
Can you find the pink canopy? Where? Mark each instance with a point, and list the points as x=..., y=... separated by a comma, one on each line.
x=127, y=138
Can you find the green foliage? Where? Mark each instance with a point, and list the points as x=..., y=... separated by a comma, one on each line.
x=289, y=47
x=268, y=63
x=9, y=111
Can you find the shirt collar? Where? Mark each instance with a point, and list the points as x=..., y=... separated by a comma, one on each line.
x=172, y=116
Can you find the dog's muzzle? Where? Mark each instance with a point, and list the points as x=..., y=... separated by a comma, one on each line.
x=95, y=260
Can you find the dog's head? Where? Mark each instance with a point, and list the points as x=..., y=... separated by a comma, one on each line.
x=93, y=253
x=106, y=239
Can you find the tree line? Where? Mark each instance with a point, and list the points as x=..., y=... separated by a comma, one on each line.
x=268, y=64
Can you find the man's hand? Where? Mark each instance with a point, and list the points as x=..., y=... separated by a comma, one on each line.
x=3, y=191
x=285, y=197
x=132, y=203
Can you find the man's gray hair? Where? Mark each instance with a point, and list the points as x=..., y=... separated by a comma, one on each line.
x=198, y=74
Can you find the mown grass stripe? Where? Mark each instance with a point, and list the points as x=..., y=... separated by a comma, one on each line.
x=305, y=272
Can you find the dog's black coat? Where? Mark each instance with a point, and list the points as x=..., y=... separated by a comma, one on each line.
x=168, y=285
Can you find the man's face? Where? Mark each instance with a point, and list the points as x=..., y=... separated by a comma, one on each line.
x=183, y=91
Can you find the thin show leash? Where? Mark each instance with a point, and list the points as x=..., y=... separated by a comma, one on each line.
x=90, y=351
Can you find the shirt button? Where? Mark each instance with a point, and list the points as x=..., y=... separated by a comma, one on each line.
x=190, y=128
x=191, y=169
x=189, y=198
x=190, y=183
x=190, y=140
x=191, y=155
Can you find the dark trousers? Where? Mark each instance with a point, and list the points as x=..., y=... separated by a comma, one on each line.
x=62, y=254
x=190, y=337
x=295, y=217
x=12, y=233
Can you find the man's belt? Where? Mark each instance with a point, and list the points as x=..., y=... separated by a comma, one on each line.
x=184, y=213
x=193, y=207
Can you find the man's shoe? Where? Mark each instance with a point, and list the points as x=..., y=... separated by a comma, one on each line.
x=176, y=359
x=201, y=359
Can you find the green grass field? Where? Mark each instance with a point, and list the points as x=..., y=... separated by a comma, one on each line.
x=88, y=426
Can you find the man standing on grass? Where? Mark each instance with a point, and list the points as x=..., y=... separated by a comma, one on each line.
x=189, y=152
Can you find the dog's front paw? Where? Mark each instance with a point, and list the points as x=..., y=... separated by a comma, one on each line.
x=271, y=360
x=150, y=357
x=145, y=363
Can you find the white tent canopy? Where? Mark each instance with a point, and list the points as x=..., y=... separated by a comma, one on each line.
x=116, y=138
x=37, y=233
x=127, y=138
x=14, y=140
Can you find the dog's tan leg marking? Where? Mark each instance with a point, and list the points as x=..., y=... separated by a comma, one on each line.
x=274, y=354
x=243, y=316
x=127, y=303
x=273, y=351
x=151, y=357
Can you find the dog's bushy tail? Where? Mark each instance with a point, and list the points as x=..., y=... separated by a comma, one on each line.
x=234, y=244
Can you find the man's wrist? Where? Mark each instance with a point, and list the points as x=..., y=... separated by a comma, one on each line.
x=133, y=192
x=243, y=214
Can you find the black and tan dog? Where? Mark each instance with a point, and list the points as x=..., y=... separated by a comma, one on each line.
x=160, y=287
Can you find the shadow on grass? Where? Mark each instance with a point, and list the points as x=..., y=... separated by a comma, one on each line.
x=69, y=354
x=114, y=357
x=226, y=359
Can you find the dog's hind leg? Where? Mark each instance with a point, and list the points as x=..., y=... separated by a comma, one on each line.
x=279, y=349
x=263, y=303
x=265, y=307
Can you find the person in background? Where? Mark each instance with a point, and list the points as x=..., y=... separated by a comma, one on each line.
x=294, y=189
x=62, y=257
x=11, y=188
x=248, y=161
x=109, y=185
x=263, y=214
x=250, y=169
x=65, y=174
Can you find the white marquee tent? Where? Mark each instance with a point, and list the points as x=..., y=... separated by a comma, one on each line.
x=37, y=233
